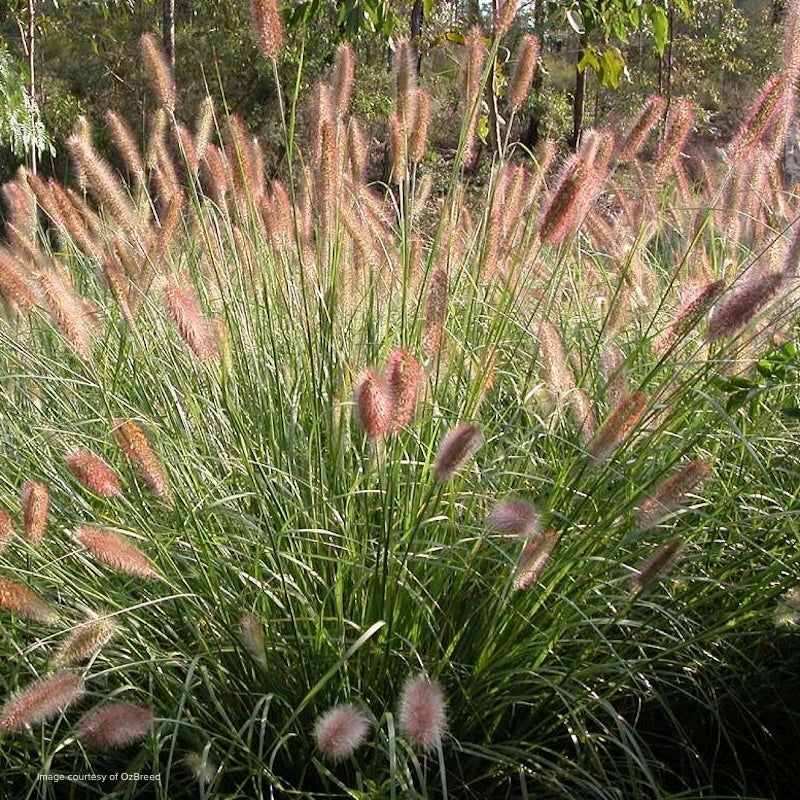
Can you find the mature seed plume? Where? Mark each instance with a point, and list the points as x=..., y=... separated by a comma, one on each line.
x=340, y=731
x=374, y=407
x=678, y=127
x=204, y=127
x=183, y=306
x=268, y=27
x=126, y=146
x=158, y=71
x=68, y=312
x=357, y=150
x=672, y=493
x=115, y=725
x=460, y=444
x=93, y=472
x=690, y=315
x=733, y=313
x=133, y=442
x=187, y=149
x=618, y=426
x=533, y=559
x=35, y=505
x=42, y=700
x=527, y=61
x=556, y=372
x=767, y=105
x=790, y=51
x=575, y=190
x=515, y=517
x=15, y=287
x=6, y=529
x=157, y=132
x=435, y=312
x=201, y=769
x=402, y=384
x=252, y=629
x=418, y=136
x=85, y=641
x=343, y=77
x=405, y=77
x=422, y=716
x=104, y=184
x=652, y=111
x=655, y=566
x=20, y=205
x=399, y=149
x=504, y=17
x=25, y=602
x=582, y=414
x=73, y=221
x=613, y=366
x=115, y=551
x=475, y=53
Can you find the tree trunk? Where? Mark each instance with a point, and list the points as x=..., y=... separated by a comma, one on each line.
x=578, y=107
x=168, y=30
x=29, y=45
x=417, y=17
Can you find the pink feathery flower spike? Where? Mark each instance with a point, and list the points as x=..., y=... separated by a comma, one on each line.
x=422, y=716
x=115, y=725
x=402, y=383
x=40, y=701
x=515, y=517
x=114, y=551
x=458, y=446
x=93, y=472
x=340, y=731
x=373, y=404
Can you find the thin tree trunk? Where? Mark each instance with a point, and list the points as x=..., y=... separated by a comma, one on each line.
x=578, y=105
x=168, y=30
x=417, y=18
x=29, y=45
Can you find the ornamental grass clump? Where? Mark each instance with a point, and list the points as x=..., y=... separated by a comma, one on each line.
x=304, y=434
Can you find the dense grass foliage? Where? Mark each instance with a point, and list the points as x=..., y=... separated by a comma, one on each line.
x=327, y=489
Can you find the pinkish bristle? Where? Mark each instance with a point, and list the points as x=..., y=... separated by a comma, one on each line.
x=506, y=11
x=533, y=559
x=527, y=61
x=158, y=71
x=340, y=731
x=402, y=383
x=690, y=315
x=648, y=118
x=678, y=127
x=763, y=110
x=35, y=505
x=418, y=136
x=672, y=493
x=475, y=52
x=457, y=447
x=137, y=449
x=515, y=517
x=183, y=306
x=93, y=472
x=373, y=404
x=422, y=715
x=85, y=641
x=268, y=26
x=42, y=700
x=733, y=313
x=115, y=551
x=655, y=566
x=343, y=77
x=435, y=312
x=24, y=601
x=618, y=426
x=582, y=413
x=6, y=529
x=68, y=312
x=116, y=725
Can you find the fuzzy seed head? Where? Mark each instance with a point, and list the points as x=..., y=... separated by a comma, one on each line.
x=374, y=409
x=6, y=529
x=68, y=312
x=116, y=552
x=252, y=629
x=533, y=559
x=460, y=444
x=648, y=118
x=158, y=71
x=678, y=127
x=182, y=304
x=340, y=731
x=343, y=77
x=35, y=504
x=435, y=312
x=40, y=701
x=133, y=442
x=690, y=315
x=93, y=473
x=673, y=492
x=402, y=384
x=618, y=426
x=731, y=315
x=655, y=566
x=25, y=602
x=116, y=725
x=418, y=136
x=85, y=641
x=527, y=61
x=268, y=27
x=422, y=716
x=515, y=517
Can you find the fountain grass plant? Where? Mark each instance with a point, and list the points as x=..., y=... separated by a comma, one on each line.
x=320, y=488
